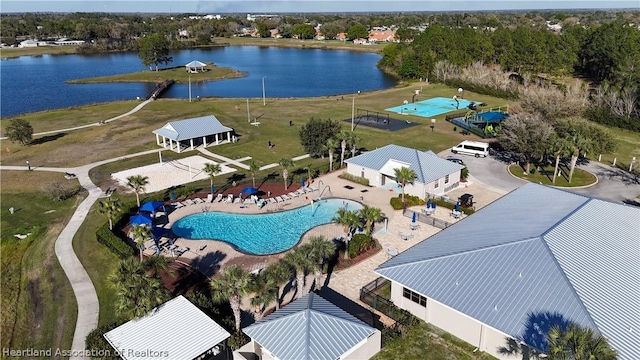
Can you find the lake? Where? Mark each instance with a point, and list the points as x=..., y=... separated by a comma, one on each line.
x=35, y=83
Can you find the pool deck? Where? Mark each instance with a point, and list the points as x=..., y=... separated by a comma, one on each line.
x=347, y=282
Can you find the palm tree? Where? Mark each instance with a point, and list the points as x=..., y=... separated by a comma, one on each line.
x=319, y=249
x=212, y=170
x=279, y=274
x=137, y=292
x=343, y=136
x=299, y=259
x=580, y=143
x=332, y=144
x=577, y=343
x=560, y=147
x=350, y=220
x=265, y=292
x=285, y=163
x=353, y=140
x=156, y=265
x=140, y=234
x=371, y=215
x=404, y=176
x=254, y=168
x=233, y=284
x=110, y=207
x=138, y=183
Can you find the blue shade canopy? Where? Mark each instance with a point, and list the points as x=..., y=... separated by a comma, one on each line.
x=151, y=206
x=141, y=219
x=492, y=116
x=250, y=190
x=158, y=232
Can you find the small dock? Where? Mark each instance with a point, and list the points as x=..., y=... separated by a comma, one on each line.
x=160, y=89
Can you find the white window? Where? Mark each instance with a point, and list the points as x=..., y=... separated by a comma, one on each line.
x=436, y=184
x=446, y=179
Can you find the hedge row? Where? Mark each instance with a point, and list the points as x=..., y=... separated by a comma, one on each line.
x=605, y=117
x=410, y=200
x=356, y=179
x=451, y=206
x=107, y=238
x=482, y=89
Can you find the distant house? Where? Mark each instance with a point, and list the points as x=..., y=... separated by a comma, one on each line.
x=176, y=329
x=382, y=36
x=188, y=134
x=341, y=36
x=31, y=43
x=275, y=33
x=360, y=41
x=310, y=328
x=435, y=176
x=535, y=258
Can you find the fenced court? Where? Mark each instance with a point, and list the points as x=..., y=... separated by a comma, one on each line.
x=431, y=107
x=379, y=120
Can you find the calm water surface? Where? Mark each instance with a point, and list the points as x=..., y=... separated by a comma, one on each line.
x=35, y=83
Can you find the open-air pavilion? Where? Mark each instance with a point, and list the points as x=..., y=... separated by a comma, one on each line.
x=188, y=134
x=195, y=66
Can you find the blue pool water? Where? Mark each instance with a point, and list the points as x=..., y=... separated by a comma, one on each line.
x=431, y=107
x=260, y=234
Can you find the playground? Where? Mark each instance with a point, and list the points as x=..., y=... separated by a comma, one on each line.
x=379, y=120
x=433, y=107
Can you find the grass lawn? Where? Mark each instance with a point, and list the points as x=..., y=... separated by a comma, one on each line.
x=179, y=74
x=545, y=176
x=428, y=342
x=38, y=51
x=38, y=304
x=313, y=44
x=628, y=147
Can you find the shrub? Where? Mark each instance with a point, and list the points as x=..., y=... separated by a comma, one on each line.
x=185, y=191
x=410, y=200
x=360, y=243
x=451, y=206
x=237, y=340
x=604, y=116
x=60, y=191
x=482, y=89
x=113, y=242
x=356, y=179
x=96, y=342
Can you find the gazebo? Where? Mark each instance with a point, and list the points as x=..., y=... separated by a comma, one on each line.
x=195, y=66
x=191, y=133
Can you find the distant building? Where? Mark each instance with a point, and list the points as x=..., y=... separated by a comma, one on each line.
x=68, y=42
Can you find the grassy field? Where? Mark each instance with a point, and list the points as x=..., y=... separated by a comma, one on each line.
x=311, y=44
x=545, y=176
x=37, y=51
x=427, y=342
x=178, y=74
x=38, y=305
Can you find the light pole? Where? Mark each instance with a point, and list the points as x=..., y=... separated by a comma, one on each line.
x=353, y=111
x=248, y=114
x=28, y=165
x=433, y=124
x=264, y=101
x=189, y=87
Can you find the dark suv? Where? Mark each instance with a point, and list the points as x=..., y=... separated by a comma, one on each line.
x=456, y=160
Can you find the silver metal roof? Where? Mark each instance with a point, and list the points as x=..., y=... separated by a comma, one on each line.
x=192, y=128
x=309, y=328
x=427, y=165
x=537, y=250
x=177, y=329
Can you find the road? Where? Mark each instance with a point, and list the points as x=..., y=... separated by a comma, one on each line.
x=613, y=184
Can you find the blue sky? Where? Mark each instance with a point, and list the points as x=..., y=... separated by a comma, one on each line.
x=268, y=6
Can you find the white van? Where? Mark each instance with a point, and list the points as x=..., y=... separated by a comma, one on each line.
x=475, y=148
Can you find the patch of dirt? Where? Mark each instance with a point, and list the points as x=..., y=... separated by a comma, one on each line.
x=35, y=304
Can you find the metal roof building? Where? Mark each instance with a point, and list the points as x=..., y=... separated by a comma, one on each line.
x=534, y=258
x=190, y=133
x=313, y=328
x=434, y=175
x=176, y=329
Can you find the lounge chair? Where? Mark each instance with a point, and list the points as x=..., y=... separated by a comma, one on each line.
x=209, y=198
x=237, y=200
x=300, y=192
x=229, y=199
x=260, y=203
x=285, y=197
x=271, y=200
x=219, y=198
x=313, y=188
x=198, y=200
x=248, y=201
x=188, y=202
x=279, y=199
x=177, y=205
x=292, y=195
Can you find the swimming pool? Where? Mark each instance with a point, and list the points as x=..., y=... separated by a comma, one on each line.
x=431, y=107
x=260, y=234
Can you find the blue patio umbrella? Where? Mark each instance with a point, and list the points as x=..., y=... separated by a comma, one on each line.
x=141, y=219
x=414, y=217
x=433, y=205
x=151, y=206
x=457, y=207
x=250, y=190
x=302, y=182
x=172, y=193
x=428, y=203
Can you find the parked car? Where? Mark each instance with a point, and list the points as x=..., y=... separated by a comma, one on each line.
x=456, y=160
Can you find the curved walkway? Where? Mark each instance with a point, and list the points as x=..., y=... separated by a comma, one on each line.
x=135, y=109
x=85, y=293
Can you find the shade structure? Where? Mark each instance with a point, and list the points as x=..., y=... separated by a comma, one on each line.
x=141, y=219
x=158, y=232
x=151, y=206
x=250, y=190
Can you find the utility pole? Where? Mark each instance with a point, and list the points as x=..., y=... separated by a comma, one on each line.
x=248, y=114
x=264, y=101
x=189, y=87
x=353, y=111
